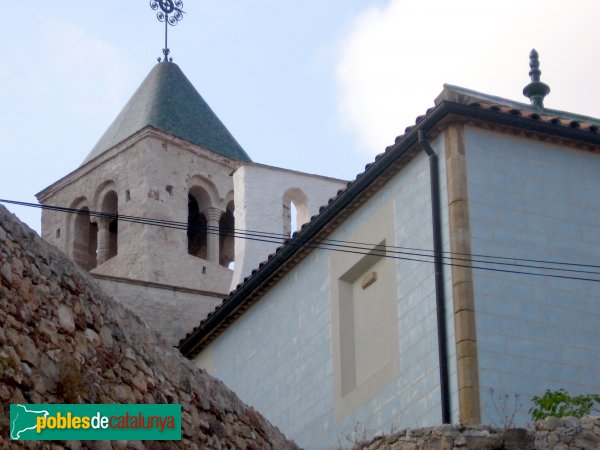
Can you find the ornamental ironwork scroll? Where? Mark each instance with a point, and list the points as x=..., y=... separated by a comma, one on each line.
x=171, y=13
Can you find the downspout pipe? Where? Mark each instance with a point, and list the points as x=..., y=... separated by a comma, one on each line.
x=440, y=296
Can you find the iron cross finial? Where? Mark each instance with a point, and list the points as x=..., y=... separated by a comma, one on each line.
x=171, y=13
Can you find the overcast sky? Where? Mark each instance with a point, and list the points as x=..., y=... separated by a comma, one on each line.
x=319, y=86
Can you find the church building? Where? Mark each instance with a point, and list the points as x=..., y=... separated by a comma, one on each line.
x=460, y=269
x=451, y=281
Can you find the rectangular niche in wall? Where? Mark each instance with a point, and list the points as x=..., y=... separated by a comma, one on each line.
x=366, y=315
x=365, y=318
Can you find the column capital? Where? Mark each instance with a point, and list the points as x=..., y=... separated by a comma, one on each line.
x=212, y=214
x=101, y=221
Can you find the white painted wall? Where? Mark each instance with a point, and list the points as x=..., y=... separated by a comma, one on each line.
x=278, y=356
x=258, y=196
x=534, y=200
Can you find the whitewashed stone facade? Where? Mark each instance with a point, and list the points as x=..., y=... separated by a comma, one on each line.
x=312, y=341
x=530, y=198
x=270, y=191
x=285, y=345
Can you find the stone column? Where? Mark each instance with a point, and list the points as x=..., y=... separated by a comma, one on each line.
x=103, y=249
x=213, y=215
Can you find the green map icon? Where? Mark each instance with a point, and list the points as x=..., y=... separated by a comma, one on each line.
x=49, y=422
x=23, y=419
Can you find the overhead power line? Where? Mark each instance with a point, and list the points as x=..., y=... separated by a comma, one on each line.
x=557, y=269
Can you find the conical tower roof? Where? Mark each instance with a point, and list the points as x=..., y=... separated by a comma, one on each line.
x=166, y=100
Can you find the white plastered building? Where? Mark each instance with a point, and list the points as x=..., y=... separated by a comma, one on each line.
x=457, y=275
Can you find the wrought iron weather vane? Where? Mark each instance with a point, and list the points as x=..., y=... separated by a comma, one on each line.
x=171, y=13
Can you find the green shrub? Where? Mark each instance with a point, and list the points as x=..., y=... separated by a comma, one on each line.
x=560, y=404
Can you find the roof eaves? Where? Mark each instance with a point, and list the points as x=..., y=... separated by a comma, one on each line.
x=499, y=114
x=457, y=94
x=536, y=122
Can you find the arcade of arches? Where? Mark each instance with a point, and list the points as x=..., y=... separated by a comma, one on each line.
x=210, y=231
x=95, y=239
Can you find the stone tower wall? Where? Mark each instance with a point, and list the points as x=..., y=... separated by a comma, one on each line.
x=151, y=174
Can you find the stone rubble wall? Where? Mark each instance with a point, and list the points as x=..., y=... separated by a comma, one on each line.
x=62, y=340
x=551, y=434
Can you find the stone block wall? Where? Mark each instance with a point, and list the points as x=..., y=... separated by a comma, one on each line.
x=551, y=434
x=150, y=176
x=62, y=340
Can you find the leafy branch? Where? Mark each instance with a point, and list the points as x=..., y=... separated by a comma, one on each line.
x=561, y=404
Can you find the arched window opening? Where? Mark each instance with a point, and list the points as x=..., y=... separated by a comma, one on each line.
x=295, y=211
x=293, y=217
x=113, y=234
x=290, y=218
x=196, y=229
x=226, y=236
x=108, y=236
x=197, y=233
x=85, y=234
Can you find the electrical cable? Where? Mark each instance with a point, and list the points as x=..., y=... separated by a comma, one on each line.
x=345, y=246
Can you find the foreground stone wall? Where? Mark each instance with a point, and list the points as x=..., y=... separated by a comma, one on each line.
x=62, y=340
x=550, y=434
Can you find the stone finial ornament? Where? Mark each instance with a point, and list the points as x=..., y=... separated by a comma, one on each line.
x=536, y=90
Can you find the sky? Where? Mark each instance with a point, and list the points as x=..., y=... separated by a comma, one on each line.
x=319, y=86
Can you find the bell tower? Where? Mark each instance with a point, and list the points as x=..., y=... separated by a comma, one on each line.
x=156, y=207
x=168, y=158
